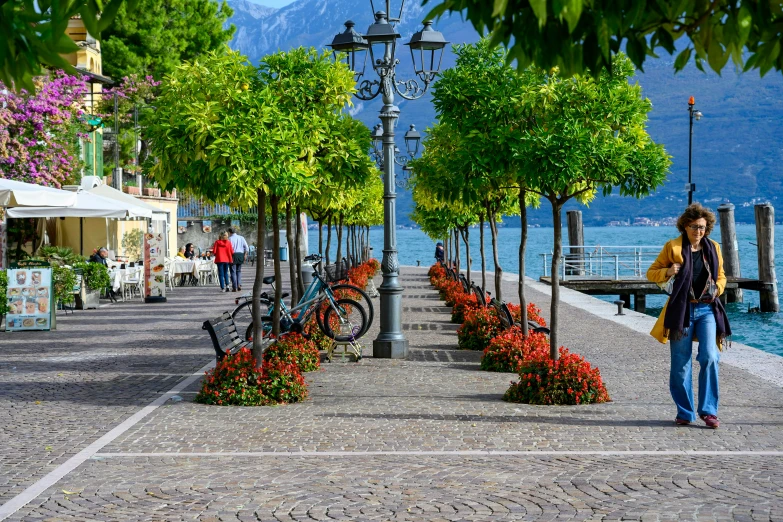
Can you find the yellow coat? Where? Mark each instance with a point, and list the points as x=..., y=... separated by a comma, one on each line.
x=672, y=253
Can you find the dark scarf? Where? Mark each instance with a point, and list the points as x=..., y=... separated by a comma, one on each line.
x=678, y=311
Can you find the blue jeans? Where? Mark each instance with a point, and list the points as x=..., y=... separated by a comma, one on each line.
x=680, y=377
x=223, y=275
x=236, y=275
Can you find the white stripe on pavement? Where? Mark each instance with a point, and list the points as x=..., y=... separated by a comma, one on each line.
x=445, y=453
x=72, y=463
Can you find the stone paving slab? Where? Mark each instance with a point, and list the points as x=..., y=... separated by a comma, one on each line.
x=376, y=415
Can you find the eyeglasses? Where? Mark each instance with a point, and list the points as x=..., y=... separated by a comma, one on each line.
x=699, y=228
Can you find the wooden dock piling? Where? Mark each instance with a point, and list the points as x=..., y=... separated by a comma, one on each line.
x=765, y=241
x=576, y=238
x=731, y=260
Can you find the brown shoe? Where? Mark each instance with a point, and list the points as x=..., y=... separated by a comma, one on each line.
x=239, y=288
x=681, y=422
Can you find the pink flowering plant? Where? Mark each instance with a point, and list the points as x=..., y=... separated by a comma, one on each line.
x=39, y=132
x=293, y=347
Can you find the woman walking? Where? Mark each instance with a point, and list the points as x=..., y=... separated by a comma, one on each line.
x=224, y=255
x=693, y=312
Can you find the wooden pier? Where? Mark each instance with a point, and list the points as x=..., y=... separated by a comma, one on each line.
x=640, y=287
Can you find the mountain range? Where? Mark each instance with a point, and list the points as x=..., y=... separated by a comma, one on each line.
x=736, y=151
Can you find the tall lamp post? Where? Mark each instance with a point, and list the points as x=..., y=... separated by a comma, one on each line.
x=426, y=48
x=692, y=113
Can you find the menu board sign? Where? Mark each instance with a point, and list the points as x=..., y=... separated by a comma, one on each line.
x=30, y=298
x=154, y=268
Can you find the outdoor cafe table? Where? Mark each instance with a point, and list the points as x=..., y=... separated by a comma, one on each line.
x=184, y=268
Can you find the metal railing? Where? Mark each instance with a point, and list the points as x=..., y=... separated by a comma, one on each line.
x=603, y=262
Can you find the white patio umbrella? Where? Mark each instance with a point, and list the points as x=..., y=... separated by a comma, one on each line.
x=20, y=194
x=88, y=205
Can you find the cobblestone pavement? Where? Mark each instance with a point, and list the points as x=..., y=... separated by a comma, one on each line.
x=427, y=438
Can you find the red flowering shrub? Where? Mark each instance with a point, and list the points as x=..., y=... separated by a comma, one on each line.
x=462, y=304
x=479, y=327
x=283, y=382
x=294, y=348
x=450, y=290
x=316, y=335
x=569, y=380
x=360, y=275
x=510, y=348
x=234, y=381
x=374, y=264
x=533, y=313
x=437, y=271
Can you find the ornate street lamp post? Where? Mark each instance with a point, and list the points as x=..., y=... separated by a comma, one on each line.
x=380, y=42
x=692, y=113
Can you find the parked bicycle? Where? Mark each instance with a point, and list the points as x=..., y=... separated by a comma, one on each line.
x=339, y=318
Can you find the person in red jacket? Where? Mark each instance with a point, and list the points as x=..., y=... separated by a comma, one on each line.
x=224, y=255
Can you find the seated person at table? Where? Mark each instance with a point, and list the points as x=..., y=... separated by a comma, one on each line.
x=190, y=251
x=181, y=252
x=100, y=256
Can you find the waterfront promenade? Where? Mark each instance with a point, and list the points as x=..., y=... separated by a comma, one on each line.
x=104, y=405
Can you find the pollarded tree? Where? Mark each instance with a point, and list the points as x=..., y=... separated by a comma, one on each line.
x=232, y=134
x=586, y=136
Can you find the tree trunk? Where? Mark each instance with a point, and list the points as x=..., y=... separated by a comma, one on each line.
x=339, y=227
x=465, y=231
x=493, y=229
x=557, y=206
x=278, y=268
x=299, y=260
x=289, y=236
x=328, y=238
x=320, y=239
x=483, y=256
x=522, y=249
x=258, y=285
x=457, y=249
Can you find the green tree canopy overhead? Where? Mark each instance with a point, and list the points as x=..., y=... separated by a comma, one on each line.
x=157, y=36
x=583, y=35
x=34, y=34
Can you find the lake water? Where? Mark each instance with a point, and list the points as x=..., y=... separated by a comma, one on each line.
x=763, y=331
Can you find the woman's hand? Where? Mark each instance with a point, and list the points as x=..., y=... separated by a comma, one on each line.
x=673, y=269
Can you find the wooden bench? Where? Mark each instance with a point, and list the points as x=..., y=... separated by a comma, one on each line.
x=223, y=332
x=481, y=297
x=507, y=319
x=465, y=285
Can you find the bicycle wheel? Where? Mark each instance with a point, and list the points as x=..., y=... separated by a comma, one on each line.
x=346, y=325
x=243, y=316
x=266, y=325
x=365, y=301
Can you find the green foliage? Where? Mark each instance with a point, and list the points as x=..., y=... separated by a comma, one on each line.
x=58, y=256
x=64, y=280
x=34, y=34
x=157, y=36
x=95, y=275
x=294, y=348
x=131, y=243
x=3, y=292
x=578, y=36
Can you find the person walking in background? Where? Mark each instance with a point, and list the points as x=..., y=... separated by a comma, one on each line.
x=241, y=250
x=439, y=253
x=224, y=255
x=694, y=265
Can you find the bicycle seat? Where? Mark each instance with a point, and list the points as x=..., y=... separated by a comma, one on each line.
x=268, y=280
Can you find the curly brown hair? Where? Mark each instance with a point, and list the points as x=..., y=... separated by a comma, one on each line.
x=694, y=212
